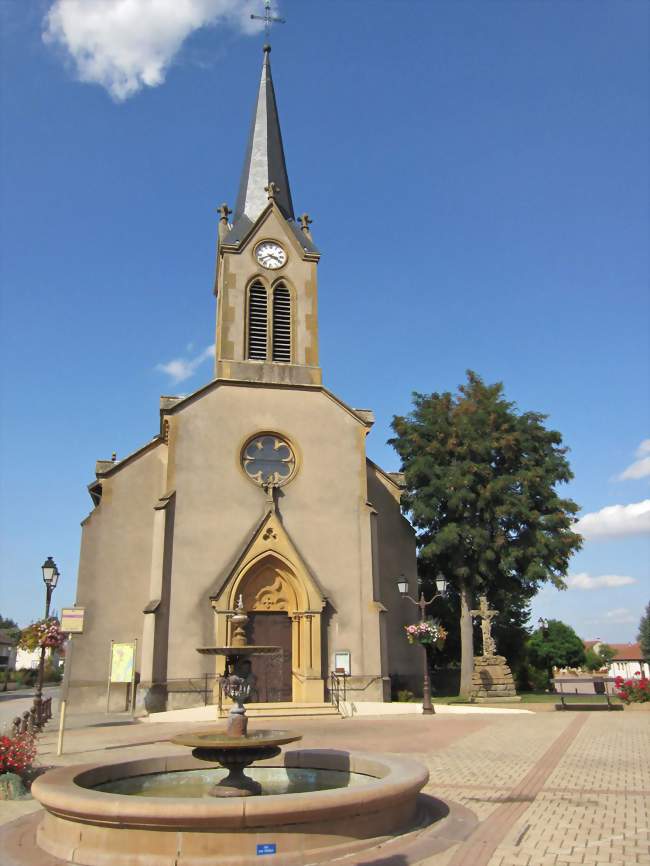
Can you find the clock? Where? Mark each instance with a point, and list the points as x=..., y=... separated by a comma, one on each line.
x=270, y=255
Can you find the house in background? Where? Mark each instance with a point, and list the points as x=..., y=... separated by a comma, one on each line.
x=30, y=659
x=7, y=652
x=627, y=661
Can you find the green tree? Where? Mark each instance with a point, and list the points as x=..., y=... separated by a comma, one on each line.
x=557, y=645
x=10, y=626
x=644, y=633
x=606, y=653
x=593, y=661
x=480, y=492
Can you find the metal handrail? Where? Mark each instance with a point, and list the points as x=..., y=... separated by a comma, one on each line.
x=336, y=689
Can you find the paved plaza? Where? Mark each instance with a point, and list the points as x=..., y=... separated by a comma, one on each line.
x=538, y=789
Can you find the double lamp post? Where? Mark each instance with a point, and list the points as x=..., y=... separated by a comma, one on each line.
x=422, y=602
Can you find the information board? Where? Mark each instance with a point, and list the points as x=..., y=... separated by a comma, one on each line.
x=122, y=662
x=72, y=619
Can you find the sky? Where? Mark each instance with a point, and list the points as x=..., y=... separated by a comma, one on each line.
x=477, y=176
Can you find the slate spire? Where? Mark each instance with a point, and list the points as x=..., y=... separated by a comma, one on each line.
x=264, y=162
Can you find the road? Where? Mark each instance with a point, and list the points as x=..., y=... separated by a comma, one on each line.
x=14, y=704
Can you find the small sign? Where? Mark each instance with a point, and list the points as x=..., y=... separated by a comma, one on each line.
x=72, y=619
x=342, y=663
x=266, y=848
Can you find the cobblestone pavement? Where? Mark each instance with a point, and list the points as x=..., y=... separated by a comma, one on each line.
x=549, y=789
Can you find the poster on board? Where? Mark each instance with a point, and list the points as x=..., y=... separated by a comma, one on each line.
x=122, y=662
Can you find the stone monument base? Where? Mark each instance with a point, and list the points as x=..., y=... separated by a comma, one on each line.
x=492, y=681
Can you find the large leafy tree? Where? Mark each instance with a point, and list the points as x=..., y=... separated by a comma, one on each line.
x=556, y=645
x=644, y=633
x=481, y=493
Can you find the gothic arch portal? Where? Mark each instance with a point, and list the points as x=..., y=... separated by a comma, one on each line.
x=271, y=577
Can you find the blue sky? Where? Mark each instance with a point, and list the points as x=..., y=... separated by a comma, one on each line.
x=477, y=173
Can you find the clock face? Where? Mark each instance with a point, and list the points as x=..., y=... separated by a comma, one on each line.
x=270, y=255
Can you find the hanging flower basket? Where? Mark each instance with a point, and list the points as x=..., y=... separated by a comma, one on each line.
x=428, y=632
x=44, y=633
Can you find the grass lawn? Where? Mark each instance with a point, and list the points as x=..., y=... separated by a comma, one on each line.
x=533, y=698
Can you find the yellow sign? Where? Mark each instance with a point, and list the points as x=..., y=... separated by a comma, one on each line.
x=122, y=662
x=72, y=619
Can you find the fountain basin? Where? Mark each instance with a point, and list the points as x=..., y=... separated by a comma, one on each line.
x=96, y=828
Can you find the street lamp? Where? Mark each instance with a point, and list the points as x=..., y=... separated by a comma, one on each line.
x=441, y=587
x=50, y=579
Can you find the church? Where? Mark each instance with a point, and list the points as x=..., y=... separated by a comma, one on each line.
x=256, y=486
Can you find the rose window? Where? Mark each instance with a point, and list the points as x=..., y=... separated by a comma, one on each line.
x=269, y=460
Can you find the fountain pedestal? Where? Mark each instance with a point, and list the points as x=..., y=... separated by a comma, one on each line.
x=235, y=754
x=236, y=783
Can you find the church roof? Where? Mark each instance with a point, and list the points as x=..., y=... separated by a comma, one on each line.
x=264, y=160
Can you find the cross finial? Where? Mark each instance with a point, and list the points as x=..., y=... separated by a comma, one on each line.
x=272, y=190
x=268, y=19
x=305, y=222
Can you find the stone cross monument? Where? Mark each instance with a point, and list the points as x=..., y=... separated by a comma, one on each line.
x=492, y=678
x=486, y=615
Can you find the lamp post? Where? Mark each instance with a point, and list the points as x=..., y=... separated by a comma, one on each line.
x=543, y=627
x=422, y=602
x=50, y=579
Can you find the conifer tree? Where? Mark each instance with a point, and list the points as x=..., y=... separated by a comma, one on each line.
x=481, y=493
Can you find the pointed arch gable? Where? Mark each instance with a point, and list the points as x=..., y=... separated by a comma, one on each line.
x=270, y=546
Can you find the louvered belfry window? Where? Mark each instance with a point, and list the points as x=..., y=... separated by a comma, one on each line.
x=281, y=324
x=257, y=322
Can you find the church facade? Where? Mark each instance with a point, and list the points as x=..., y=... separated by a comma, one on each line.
x=257, y=486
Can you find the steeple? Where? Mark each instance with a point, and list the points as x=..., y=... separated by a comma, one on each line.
x=264, y=163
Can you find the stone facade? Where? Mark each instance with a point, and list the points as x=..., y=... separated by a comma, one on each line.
x=492, y=680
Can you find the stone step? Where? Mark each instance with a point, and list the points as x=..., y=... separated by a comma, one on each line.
x=287, y=709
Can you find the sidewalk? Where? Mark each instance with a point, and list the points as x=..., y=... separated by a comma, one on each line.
x=549, y=789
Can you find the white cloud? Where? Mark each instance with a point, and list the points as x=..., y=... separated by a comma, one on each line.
x=621, y=616
x=126, y=45
x=586, y=581
x=616, y=521
x=180, y=369
x=641, y=466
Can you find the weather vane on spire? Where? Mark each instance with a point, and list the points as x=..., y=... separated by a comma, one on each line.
x=268, y=19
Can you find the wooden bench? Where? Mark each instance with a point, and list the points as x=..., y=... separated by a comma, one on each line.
x=576, y=686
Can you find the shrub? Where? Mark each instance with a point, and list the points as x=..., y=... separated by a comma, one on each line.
x=531, y=679
x=26, y=676
x=52, y=673
x=17, y=753
x=405, y=696
x=539, y=679
x=635, y=690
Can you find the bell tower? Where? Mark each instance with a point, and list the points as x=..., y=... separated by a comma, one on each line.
x=266, y=280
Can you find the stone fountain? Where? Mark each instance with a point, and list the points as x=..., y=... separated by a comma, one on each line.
x=237, y=749
x=313, y=805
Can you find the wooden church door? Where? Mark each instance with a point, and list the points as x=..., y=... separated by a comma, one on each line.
x=272, y=672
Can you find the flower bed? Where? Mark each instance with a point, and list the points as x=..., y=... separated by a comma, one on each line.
x=17, y=753
x=635, y=690
x=426, y=632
